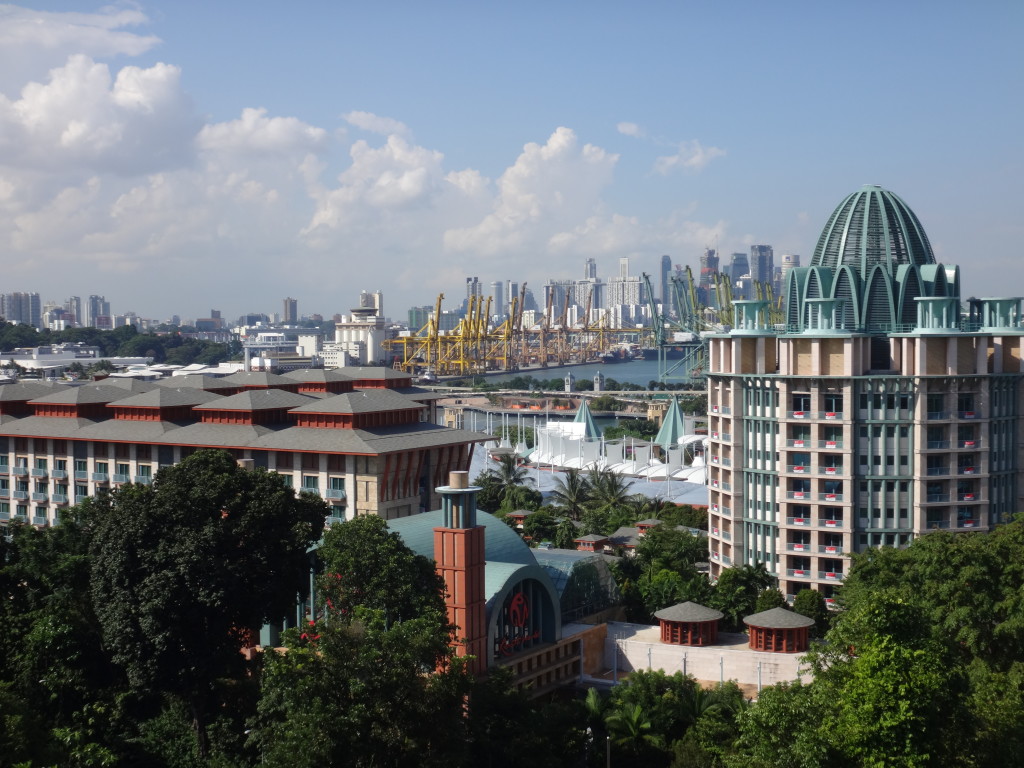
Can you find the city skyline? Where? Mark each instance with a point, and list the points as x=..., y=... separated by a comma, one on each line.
x=160, y=145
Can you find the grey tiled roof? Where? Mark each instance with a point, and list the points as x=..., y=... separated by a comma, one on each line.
x=360, y=401
x=420, y=394
x=688, y=611
x=373, y=372
x=133, y=385
x=195, y=381
x=165, y=397
x=28, y=390
x=257, y=400
x=316, y=375
x=118, y=431
x=778, y=618
x=88, y=393
x=43, y=426
x=257, y=379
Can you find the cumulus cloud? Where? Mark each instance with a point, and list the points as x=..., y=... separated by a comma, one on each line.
x=630, y=129
x=84, y=118
x=31, y=41
x=255, y=132
x=368, y=121
x=548, y=185
x=691, y=156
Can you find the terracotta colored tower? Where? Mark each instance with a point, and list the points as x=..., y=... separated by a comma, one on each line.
x=459, y=552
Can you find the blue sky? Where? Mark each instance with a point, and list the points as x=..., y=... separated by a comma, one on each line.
x=179, y=156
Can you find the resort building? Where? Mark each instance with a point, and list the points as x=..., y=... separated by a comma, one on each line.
x=877, y=412
x=364, y=439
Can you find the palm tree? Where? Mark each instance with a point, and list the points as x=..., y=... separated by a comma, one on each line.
x=571, y=493
x=508, y=474
x=630, y=728
x=607, y=489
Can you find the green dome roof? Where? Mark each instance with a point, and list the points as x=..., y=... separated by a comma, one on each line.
x=872, y=226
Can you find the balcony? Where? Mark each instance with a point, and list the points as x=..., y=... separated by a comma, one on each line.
x=798, y=521
x=944, y=470
x=335, y=493
x=5, y=493
x=830, y=523
x=310, y=489
x=798, y=442
x=831, y=415
x=967, y=523
x=80, y=497
x=60, y=498
x=796, y=547
x=968, y=443
x=828, y=549
x=830, y=444
x=937, y=498
x=59, y=474
x=967, y=470
x=798, y=469
x=40, y=521
x=967, y=414
x=937, y=415
x=937, y=445
x=726, y=559
x=334, y=520
x=122, y=478
x=830, y=575
x=798, y=573
x=798, y=495
x=5, y=469
x=934, y=525
x=19, y=495
x=143, y=479
x=830, y=470
x=40, y=497
x=967, y=497
x=38, y=472
x=81, y=474
x=721, y=409
x=100, y=477
x=830, y=497
x=797, y=414
x=20, y=471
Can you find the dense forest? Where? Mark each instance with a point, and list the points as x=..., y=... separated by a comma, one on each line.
x=169, y=347
x=124, y=623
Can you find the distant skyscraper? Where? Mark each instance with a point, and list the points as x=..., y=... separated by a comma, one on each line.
x=788, y=262
x=473, y=288
x=291, y=311
x=95, y=308
x=666, y=293
x=739, y=266
x=498, y=292
x=74, y=308
x=624, y=267
x=24, y=308
x=590, y=270
x=511, y=293
x=762, y=263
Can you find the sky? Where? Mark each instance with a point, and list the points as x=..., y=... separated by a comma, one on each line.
x=181, y=156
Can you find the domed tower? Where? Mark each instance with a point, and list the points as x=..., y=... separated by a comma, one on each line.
x=871, y=263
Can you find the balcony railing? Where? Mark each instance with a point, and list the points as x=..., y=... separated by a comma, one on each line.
x=830, y=444
x=5, y=493
x=831, y=415
x=143, y=479
x=968, y=443
x=937, y=471
x=39, y=497
x=81, y=474
x=968, y=497
x=310, y=489
x=966, y=523
x=335, y=493
x=20, y=495
x=967, y=414
x=59, y=474
x=830, y=497
x=799, y=573
x=935, y=445
x=121, y=477
x=40, y=521
x=797, y=414
x=798, y=469
x=798, y=521
x=721, y=409
x=20, y=471
x=60, y=498
x=38, y=472
x=100, y=477
x=726, y=559
x=830, y=523
x=799, y=442
x=830, y=470
x=5, y=469
x=937, y=415
x=798, y=495
x=937, y=498
x=80, y=497
x=967, y=470
x=830, y=575
x=828, y=549
x=933, y=525
x=797, y=547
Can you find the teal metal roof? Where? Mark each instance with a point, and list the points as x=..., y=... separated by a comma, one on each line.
x=672, y=427
x=583, y=416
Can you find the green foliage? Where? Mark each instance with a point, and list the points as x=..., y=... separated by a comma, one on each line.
x=642, y=429
x=606, y=403
x=811, y=603
x=768, y=599
x=571, y=493
x=540, y=526
x=736, y=592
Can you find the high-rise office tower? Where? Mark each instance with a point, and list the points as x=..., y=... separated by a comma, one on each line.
x=498, y=294
x=739, y=266
x=590, y=270
x=291, y=311
x=624, y=267
x=95, y=308
x=875, y=414
x=24, y=308
x=762, y=263
x=665, y=269
x=74, y=308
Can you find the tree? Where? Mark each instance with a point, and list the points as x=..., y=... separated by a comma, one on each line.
x=737, y=589
x=540, y=526
x=607, y=489
x=811, y=603
x=184, y=569
x=571, y=493
x=566, y=534
x=770, y=598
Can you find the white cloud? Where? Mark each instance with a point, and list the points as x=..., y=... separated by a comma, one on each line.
x=692, y=156
x=368, y=121
x=82, y=118
x=31, y=42
x=255, y=132
x=630, y=129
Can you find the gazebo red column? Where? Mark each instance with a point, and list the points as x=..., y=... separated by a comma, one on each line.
x=689, y=624
x=779, y=631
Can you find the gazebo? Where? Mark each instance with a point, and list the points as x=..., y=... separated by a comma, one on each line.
x=689, y=624
x=779, y=631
